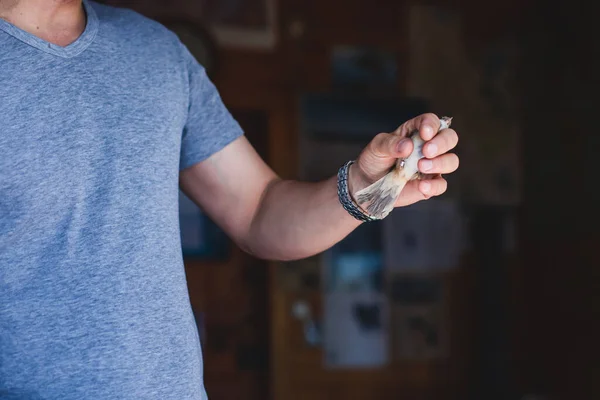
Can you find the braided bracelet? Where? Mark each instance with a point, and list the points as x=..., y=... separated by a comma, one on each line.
x=345, y=198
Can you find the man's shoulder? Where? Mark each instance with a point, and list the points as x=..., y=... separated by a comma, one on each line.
x=131, y=24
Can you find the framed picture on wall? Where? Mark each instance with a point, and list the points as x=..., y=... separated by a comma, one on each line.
x=247, y=24
x=241, y=23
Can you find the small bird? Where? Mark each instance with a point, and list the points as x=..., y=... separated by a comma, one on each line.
x=379, y=198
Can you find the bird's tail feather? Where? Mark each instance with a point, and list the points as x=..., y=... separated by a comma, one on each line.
x=379, y=198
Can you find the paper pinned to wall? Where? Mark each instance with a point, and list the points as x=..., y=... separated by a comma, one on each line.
x=355, y=328
x=425, y=235
x=355, y=307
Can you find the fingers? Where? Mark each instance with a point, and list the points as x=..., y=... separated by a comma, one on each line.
x=444, y=164
x=427, y=125
x=438, y=142
x=443, y=142
x=385, y=145
x=432, y=187
x=418, y=190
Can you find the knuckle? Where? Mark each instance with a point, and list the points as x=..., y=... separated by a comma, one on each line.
x=379, y=138
x=446, y=142
x=373, y=142
x=444, y=164
x=437, y=164
x=377, y=145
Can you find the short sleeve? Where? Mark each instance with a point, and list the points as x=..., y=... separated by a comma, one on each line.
x=209, y=126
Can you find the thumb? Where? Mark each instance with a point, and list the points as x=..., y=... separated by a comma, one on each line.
x=386, y=145
x=381, y=154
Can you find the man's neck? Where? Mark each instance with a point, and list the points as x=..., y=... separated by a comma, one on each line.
x=57, y=21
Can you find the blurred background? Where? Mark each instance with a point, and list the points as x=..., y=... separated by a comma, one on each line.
x=489, y=292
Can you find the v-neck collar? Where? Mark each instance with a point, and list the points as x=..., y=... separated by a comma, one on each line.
x=71, y=50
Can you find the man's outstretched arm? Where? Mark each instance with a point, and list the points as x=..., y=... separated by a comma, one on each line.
x=280, y=219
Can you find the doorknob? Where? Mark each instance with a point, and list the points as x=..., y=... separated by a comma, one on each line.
x=312, y=332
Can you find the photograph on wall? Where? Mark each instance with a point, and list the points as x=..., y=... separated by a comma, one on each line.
x=355, y=330
x=417, y=316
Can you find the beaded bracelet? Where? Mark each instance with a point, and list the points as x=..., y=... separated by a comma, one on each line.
x=345, y=198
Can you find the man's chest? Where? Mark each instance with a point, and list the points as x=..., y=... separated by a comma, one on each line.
x=86, y=132
x=122, y=115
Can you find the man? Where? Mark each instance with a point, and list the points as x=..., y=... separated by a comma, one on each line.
x=104, y=115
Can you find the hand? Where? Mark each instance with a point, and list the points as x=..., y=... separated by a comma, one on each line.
x=383, y=151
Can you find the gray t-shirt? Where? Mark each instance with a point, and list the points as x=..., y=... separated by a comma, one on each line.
x=93, y=295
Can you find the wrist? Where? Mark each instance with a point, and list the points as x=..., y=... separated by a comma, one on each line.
x=356, y=180
x=345, y=198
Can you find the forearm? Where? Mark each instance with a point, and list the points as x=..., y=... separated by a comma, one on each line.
x=297, y=220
